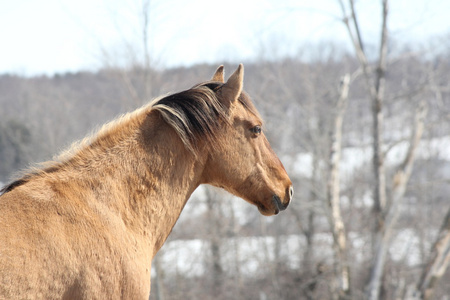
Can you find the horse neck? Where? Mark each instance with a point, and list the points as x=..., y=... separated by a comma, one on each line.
x=145, y=177
x=172, y=173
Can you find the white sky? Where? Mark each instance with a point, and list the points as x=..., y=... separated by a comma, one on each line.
x=49, y=36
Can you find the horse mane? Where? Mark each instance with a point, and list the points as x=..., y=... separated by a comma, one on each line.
x=194, y=114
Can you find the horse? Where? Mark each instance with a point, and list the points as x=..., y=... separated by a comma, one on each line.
x=88, y=224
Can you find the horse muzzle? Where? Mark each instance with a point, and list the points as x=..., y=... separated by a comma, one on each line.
x=279, y=205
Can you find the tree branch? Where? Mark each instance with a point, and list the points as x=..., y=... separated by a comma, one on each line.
x=438, y=262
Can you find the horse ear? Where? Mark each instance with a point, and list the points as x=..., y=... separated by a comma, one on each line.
x=218, y=76
x=233, y=87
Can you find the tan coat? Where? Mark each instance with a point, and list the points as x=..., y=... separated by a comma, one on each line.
x=88, y=225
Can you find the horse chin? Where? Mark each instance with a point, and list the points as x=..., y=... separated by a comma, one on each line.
x=267, y=212
x=276, y=207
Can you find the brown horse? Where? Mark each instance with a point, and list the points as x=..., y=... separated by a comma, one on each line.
x=88, y=225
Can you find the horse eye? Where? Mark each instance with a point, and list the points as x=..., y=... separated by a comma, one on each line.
x=256, y=129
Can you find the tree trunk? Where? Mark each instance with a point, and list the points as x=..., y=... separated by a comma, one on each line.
x=380, y=198
x=215, y=242
x=376, y=92
x=341, y=268
x=158, y=280
x=384, y=235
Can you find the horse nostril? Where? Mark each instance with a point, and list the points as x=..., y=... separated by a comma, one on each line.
x=279, y=205
x=291, y=192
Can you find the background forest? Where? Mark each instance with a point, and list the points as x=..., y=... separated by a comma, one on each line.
x=364, y=134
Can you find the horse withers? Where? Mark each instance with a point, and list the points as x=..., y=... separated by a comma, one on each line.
x=87, y=225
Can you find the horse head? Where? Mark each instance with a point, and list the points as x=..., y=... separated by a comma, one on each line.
x=244, y=163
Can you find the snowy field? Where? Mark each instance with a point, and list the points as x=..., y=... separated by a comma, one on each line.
x=357, y=157
x=250, y=256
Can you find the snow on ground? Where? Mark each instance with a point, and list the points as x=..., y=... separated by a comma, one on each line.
x=354, y=158
x=406, y=247
x=251, y=256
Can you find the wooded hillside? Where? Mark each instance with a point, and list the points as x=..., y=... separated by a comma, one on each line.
x=221, y=247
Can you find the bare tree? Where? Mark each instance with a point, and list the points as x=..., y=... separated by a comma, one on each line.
x=376, y=92
x=215, y=236
x=341, y=267
x=384, y=235
x=159, y=289
x=136, y=68
x=386, y=212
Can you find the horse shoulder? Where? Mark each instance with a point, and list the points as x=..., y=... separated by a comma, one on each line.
x=47, y=235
